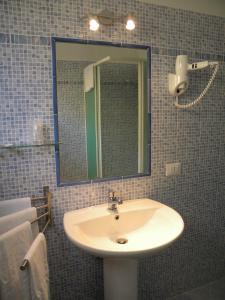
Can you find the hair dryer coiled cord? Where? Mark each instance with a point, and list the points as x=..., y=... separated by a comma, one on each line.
x=200, y=97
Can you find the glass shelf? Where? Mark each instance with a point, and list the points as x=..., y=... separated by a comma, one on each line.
x=5, y=147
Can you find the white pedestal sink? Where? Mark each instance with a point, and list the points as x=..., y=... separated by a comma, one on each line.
x=144, y=227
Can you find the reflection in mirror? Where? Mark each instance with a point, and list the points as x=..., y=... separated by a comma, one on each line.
x=101, y=104
x=119, y=119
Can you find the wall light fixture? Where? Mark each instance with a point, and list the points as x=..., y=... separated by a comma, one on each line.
x=130, y=24
x=107, y=18
x=94, y=24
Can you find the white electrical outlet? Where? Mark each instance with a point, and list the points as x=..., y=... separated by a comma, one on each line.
x=173, y=169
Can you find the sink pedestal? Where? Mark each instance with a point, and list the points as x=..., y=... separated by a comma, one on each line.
x=120, y=279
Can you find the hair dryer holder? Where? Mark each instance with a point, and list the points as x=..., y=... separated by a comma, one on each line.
x=178, y=83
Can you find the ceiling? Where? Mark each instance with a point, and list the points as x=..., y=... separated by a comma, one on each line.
x=211, y=7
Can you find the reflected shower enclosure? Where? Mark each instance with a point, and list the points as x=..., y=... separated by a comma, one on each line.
x=101, y=103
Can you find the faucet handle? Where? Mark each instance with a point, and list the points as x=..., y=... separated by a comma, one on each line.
x=112, y=195
x=119, y=200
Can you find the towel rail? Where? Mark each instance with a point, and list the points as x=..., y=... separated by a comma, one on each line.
x=42, y=206
x=24, y=265
x=47, y=195
x=38, y=218
x=33, y=198
x=46, y=225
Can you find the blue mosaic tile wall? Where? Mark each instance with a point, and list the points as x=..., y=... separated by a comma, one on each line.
x=71, y=116
x=194, y=137
x=119, y=119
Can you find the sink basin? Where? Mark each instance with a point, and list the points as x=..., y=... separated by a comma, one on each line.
x=145, y=226
x=140, y=228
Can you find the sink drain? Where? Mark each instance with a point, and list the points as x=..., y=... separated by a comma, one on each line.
x=121, y=241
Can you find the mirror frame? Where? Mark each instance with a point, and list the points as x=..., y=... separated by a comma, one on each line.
x=54, y=40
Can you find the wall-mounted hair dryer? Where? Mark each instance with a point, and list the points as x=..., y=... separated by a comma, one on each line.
x=178, y=83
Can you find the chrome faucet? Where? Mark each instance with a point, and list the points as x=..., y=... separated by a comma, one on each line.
x=113, y=202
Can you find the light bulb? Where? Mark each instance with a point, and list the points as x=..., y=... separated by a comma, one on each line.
x=93, y=24
x=130, y=25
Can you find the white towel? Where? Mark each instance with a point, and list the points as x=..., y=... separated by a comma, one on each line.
x=14, y=244
x=12, y=220
x=38, y=269
x=13, y=205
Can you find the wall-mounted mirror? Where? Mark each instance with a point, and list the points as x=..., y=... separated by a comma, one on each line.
x=101, y=108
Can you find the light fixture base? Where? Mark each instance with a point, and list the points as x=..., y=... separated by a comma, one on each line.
x=106, y=17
